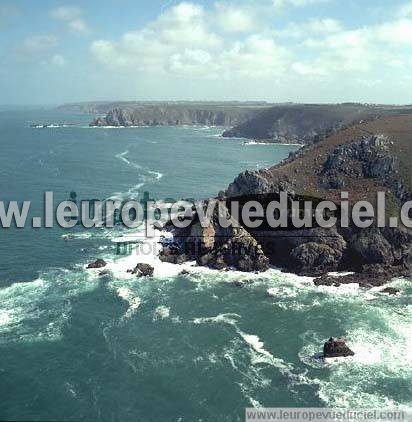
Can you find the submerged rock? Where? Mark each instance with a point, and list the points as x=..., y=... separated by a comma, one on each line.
x=336, y=348
x=99, y=263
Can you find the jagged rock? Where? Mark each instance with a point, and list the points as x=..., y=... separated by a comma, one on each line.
x=326, y=280
x=368, y=157
x=250, y=183
x=219, y=247
x=391, y=291
x=369, y=276
x=285, y=248
x=99, y=263
x=172, y=255
x=315, y=258
x=372, y=247
x=143, y=270
x=335, y=348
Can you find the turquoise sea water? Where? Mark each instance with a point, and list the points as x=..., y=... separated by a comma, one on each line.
x=76, y=346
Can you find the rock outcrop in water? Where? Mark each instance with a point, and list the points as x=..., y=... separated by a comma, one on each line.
x=364, y=159
x=336, y=348
x=99, y=263
x=143, y=270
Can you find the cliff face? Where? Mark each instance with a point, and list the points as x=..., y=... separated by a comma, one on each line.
x=213, y=246
x=300, y=124
x=364, y=159
x=172, y=115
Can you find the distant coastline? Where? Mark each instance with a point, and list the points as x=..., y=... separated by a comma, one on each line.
x=261, y=122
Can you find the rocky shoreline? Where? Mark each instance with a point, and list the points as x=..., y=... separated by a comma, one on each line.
x=177, y=115
x=363, y=160
x=299, y=124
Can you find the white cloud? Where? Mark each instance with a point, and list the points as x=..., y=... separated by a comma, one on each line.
x=256, y=57
x=79, y=26
x=324, y=26
x=295, y=3
x=313, y=27
x=190, y=61
x=181, y=42
x=184, y=24
x=235, y=19
x=58, y=60
x=405, y=11
x=181, y=28
x=72, y=16
x=66, y=13
x=397, y=32
x=39, y=49
x=40, y=42
x=230, y=46
x=359, y=50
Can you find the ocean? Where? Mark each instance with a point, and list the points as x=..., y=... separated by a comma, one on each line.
x=77, y=346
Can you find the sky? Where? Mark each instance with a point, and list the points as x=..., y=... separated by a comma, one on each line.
x=312, y=51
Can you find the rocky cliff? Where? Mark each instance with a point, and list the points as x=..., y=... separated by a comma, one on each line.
x=179, y=114
x=363, y=159
x=302, y=124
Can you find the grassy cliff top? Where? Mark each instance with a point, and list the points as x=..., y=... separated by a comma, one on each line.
x=304, y=171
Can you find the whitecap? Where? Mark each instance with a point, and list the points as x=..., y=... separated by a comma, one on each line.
x=38, y=309
x=133, y=301
x=123, y=157
x=261, y=355
x=229, y=318
x=161, y=312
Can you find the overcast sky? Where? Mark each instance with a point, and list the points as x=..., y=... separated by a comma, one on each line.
x=275, y=50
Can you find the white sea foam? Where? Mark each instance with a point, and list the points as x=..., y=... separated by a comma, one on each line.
x=145, y=176
x=261, y=355
x=145, y=251
x=116, y=127
x=219, y=319
x=37, y=310
x=258, y=353
x=133, y=301
x=123, y=157
x=157, y=174
x=91, y=234
x=251, y=143
x=381, y=338
x=161, y=312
